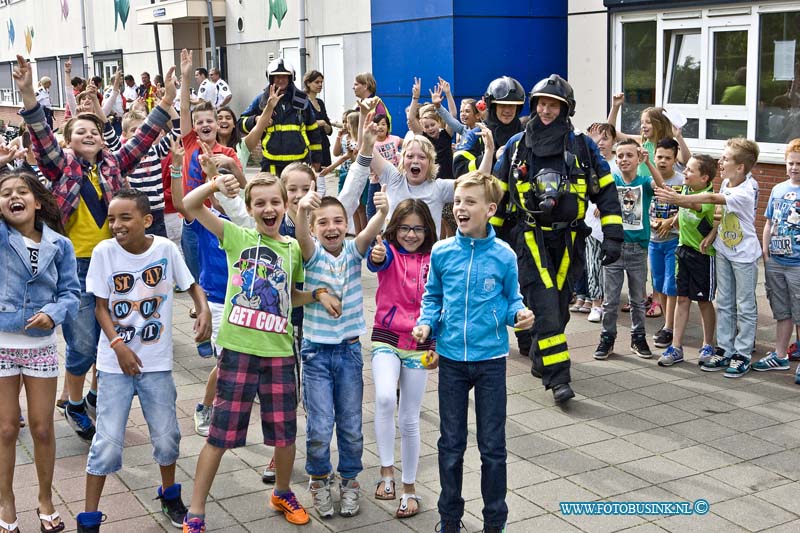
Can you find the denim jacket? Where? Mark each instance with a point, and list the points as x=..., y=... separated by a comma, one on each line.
x=472, y=294
x=53, y=290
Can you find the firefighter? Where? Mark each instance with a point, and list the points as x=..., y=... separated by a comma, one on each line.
x=549, y=171
x=293, y=133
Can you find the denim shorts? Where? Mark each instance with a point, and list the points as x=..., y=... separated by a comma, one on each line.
x=157, y=396
x=82, y=332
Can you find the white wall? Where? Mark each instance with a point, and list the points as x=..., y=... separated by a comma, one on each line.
x=587, y=53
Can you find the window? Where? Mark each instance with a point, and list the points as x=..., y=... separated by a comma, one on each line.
x=6, y=84
x=49, y=67
x=638, y=71
x=778, y=115
x=731, y=71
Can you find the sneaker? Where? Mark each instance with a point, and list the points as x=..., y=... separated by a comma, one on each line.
x=268, y=476
x=595, y=315
x=663, y=338
x=80, y=423
x=671, y=356
x=290, y=507
x=321, y=491
x=771, y=362
x=349, y=490
x=797, y=376
x=605, y=347
x=61, y=405
x=793, y=352
x=202, y=419
x=194, y=525
x=494, y=529
x=172, y=504
x=91, y=408
x=448, y=527
x=706, y=353
x=717, y=362
x=738, y=367
x=90, y=522
x=640, y=347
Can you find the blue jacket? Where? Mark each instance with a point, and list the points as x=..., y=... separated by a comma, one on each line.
x=472, y=294
x=53, y=290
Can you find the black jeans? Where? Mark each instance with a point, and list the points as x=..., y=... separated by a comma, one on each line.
x=455, y=380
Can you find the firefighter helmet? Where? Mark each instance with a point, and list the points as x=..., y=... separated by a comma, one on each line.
x=505, y=90
x=555, y=87
x=280, y=66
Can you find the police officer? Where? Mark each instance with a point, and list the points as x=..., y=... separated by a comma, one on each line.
x=549, y=172
x=293, y=134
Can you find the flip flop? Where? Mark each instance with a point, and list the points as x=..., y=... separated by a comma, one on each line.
x=50, y=518
x=577, y=307
x=403, y=510
x=388, y=489
x=11, y=528
x=586, y=309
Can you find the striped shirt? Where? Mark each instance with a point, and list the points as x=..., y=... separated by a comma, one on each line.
x=342, y=277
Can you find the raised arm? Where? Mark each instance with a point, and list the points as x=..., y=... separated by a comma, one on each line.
x=616, y=104
x=684, y=153
x=186, y=73
x=436, y=99
x=305, y=206
x=375, y=224
x=253, y=137
x=413, y=110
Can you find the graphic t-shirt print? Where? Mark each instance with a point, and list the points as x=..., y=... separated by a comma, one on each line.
x=136, y=302
x=263, y=300
x=630, y=199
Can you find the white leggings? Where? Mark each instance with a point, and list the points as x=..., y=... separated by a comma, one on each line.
x=386, y=370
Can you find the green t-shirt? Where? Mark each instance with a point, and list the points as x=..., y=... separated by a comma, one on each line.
x=261, y=274
x=695, y=225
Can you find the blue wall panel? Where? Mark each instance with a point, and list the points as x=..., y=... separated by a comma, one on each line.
x=399, y=10
x=511, y=8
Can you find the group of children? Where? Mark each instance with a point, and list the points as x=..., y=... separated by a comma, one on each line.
x=87, y=252
x=702, y=246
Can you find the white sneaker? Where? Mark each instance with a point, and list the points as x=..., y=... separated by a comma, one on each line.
x=202, y=420
x=321, y=491
x=596, y=314
x=349, y=490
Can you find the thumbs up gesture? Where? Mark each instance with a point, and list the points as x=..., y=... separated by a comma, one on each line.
x=378, y=253
x=381, y=201
x=310, y=201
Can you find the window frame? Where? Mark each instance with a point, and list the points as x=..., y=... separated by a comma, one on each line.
x=708, y=21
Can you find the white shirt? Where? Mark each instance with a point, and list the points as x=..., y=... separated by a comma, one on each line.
x=113, y=106
x=139, y=290
x=736, y=235
x=207, y=91
x=223, y=91
x=43, y=97
x=130, y=93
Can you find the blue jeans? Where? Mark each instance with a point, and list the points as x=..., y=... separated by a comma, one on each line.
x=737, y=311
x=157, y=396
x=191, y=252
x=82, y=332
x=455, y=381
x=333, y=390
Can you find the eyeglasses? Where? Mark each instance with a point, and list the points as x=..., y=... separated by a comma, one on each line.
x=418, y=230
x=147, y=307
x=628, y=202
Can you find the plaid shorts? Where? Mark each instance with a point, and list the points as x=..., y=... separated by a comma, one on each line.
x=241, y=376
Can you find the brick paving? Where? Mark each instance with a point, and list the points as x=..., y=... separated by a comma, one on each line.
x=634, y=432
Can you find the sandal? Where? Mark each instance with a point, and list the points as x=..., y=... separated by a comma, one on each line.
x=626, y=308
x=388, y=489
x=586, y=309
x=11, y=528
x=578, y=306
x=403, y=510
x=50, y=519
x=654, y=311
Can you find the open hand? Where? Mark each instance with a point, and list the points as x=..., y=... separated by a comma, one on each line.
x=436, y=96
x=444, y=85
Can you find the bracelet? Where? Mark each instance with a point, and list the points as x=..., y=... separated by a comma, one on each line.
x=116, y=340
x=316, y=292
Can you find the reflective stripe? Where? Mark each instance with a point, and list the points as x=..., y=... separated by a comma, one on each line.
x=496, y=221
x=503, y=184
x=524, y=187
x=289, y=157
x=530, y=240
x=312, y=127
x=466, y=154
x=608, y=179
x=284, y=127
x=549, y=342
x=561, y=275
x=610, y=219
x=560, y=357
x=315, y=147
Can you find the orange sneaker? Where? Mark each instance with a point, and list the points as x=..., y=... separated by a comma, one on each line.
x=195, y=525
x=290, y=507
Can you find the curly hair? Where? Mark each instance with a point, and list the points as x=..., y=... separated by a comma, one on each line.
x=48, y=212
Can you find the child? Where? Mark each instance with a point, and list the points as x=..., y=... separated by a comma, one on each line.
x=635, y=193
x=331, y=350
x=132, y=277
x=738, y=251
x=431, y=126
x=654, y=126
x=85, y=176
x=663, y=242
x=402, y=262
x=695, y=279
x=256, y=339
x=38, y=263
x=781, y=248
x=473, y=345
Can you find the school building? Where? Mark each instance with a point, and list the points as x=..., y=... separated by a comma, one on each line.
x=729, y=67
